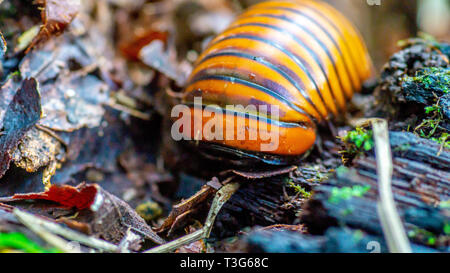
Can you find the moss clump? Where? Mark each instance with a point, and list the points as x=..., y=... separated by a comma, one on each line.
x=299, y=189
x=355, y=143
x=445, y=204
x=149, y=211
x=361, y=138
x=433, y=78
x=345, y=193
x=423, y=235
x=428, y=127
x=447, y=228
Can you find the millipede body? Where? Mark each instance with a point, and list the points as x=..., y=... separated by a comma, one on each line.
x=304, y=57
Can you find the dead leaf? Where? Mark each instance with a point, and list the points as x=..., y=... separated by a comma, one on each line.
x=80, y=197
x=155, y=56
x=21, y=114
x=56, y=16
x=72, y=94
x=108, y=216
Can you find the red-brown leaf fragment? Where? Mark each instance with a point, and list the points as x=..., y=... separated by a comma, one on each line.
x=108, y=216
x=80, y=197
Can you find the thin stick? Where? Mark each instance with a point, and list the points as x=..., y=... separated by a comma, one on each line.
x=29, y=221
x=65, y=232
x=135, y=113
x=222, y=196
x=52, y=134
x=391, y=223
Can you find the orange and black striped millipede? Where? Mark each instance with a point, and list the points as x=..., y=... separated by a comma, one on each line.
x=303, y=56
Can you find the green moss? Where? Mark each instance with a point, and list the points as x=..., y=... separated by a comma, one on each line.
x=345, y=193
x=361, y=137
x=433, y=78
x=443, y=140
x=299, y=189
x=445, y=204
x=149, y=210
x=447, y=228
x=346, y=211
x=355, y=143
x=423, y=235
x=431, y=109
x=428, y=127
x=18, y=241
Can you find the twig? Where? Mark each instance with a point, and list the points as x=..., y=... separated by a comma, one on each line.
x=52, y=134
x=391, y=223
x=30, y=222
x=222, y=196
x=135, y=113
x=62, y=231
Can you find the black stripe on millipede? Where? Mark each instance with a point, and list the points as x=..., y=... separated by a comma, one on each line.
x=330, y=36
x=339, y=31
x=292, y=56
x=256, y=117
x=268, y=84
x=322, y=45
x=310, y=51
x=252, y=85
x=263, y=62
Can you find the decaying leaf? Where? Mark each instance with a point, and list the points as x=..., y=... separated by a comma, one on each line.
x=155, y=56
x=108, y=216
x=23, y=111
x=56, y=16
x=72, y=95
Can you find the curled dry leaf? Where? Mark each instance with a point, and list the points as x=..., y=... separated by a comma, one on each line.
x=56, y=16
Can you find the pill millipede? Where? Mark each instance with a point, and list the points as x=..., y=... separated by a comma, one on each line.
x=304, y=57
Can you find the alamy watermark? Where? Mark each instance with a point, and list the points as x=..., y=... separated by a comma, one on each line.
x=212, y=122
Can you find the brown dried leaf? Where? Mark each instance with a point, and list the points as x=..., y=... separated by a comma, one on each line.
x=56, y=16
x=108, y=216
x=23, y=111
